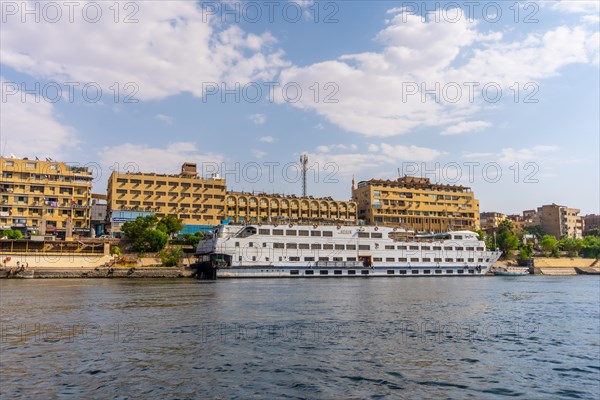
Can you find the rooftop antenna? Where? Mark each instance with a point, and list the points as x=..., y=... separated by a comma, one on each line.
x=304, y=164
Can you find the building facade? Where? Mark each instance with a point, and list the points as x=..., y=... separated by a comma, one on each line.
x=198, y=202
x=559, y=220
x=249, y=207
x=49, y=197
x=491, y=220
x=98, y=214
x=416, y=204
x=591, y=221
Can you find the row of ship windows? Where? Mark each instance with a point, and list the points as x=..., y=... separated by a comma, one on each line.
x=389, y=272
x=329, y=246
x=375, y=259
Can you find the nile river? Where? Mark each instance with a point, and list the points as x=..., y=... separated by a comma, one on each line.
x=481, y=338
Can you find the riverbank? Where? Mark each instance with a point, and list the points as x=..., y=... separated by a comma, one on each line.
x=98, y=272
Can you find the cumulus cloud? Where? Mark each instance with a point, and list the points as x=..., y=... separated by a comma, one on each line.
x=164, y=118
x=465, y=127
x=29, y=128
x=510, y=155
x=267, y=139
x=172, y=48
x=411, y=82
x=258, y=119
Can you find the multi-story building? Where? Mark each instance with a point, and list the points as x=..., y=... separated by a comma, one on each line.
x=249, y=207
x=591, y=221
x=416, y=204
x=559, y=220
x=198, y=202
x=98, y=214
x=491, y=220
x=47, y=196
x=517, y=220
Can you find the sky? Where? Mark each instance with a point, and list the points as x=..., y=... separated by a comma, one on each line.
x=502, y=97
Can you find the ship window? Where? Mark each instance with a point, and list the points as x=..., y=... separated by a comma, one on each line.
x=437, y=248
x=402, y=259
x=264, y=244
x=364, y=272
x=426, y=271
x=328, y=233
x=327, y=247
x=337, y=272
x=351, y=259
x=338, y=259
x=471, y=271
x=470, y=259
x=438, y=271
x=458, y=248
x=448, y=248
x=323, y=258
x=377, y=259
x=458, y=237
x=388, y=247
x=414, y=259
x=309, y=272
x=315, y=246
x=402, y=272
x=351, y=272
x=302, y=233
x=401, y=247
x=304, y=246
x=425, y=248
x=237, y=244
x=309, y=259
x=350, y=247
x=390, y=272
x=294, y=272
x=480, y=260
x=278, y=245
x=480, y=248
x=390, y=259
x=460, y=260
x=281, y=258
x=470, y=248
x=291, y=246
x=414, y=272
x=449, y=271
x=253, y=258
x=414, y=247
x=266, y=258
x=460, y=271
x=294, y=259
x=264, y=231
x=315, y=233
x=250, y=244
x=363, y=234
x=339, y=247
x=376, y=235
x=426, y=259
x=449, y=260
x=364, y=247
x=278, y=232
x=240, y=258
x=290, y=233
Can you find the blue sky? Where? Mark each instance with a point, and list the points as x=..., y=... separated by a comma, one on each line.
x=361, y=68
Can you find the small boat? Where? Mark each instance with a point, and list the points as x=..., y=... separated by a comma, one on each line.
x=510, y=271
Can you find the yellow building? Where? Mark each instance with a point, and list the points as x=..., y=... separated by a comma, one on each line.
x=416, y=204
x=490, y=221
x=198, y=202
x=248, y=207
x=45, y=196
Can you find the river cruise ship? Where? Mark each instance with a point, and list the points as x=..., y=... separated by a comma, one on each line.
x=260, y=251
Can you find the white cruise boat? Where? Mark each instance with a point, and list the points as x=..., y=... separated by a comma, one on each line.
x=261, y=251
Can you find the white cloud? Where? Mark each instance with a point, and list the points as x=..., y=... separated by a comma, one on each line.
x=381, y=93
x=167, y=160
x=258, y=153
x=465, y=127
x=170, y=50
x=510, y=155
x=327, y=149
x=258, y=119
x=573, y=6
x=477, y=155
x=30, y=129
x=164, y=118
x=267, y=139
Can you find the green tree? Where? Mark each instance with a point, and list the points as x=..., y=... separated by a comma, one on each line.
x=170, y=257
x=506, y=226
x=526, y=251
x=591, y=247
x=480, y=234
x=116, y=251
x=507, y=242
x=593, y=232
x=534, y=230
x=170, y=224
x=12, y=234
x=571, y=245
x=549, y=244
x=143, y=234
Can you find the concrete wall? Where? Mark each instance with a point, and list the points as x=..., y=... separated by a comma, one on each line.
x=53, y=260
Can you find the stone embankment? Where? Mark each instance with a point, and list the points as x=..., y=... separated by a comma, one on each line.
x=98, y=272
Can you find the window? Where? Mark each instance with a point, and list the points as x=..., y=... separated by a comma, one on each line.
x=291, y=246
x=278, y=232
x=363, y=272
x=309, y=259
x=351, y=272
x=315, y=233
x=302, y=233
x=309, y=272
x=294, y=272
x=426, y=259
x=390, y=272
x=264, y=231
x=315, y=246
x=414, y=259
x=329, y=246
x=414, y=272
x=388, y=247
x=390, y=259
x=363, y=234
x=402, y=272
x=328, y=233
x=338, y=246
x=337, y=272
x=376, y=235
x=449, y=260
x=449, y=271
x=323, y=258
x=294, y=259
x=364, y=247
x=304, y=246
x=278, y=245
x=350, y=247
x=290, y=233
x=379, y=259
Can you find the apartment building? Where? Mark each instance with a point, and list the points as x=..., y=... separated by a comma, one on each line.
x=491, y=220
x=47, y=196
x=262, y=207
x=591, y=221
x=559, y=220
x=416, y=204
x=198, y=202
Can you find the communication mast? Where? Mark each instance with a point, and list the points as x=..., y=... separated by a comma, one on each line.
x=304, y=164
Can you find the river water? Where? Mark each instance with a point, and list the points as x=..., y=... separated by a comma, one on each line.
x=437, y=338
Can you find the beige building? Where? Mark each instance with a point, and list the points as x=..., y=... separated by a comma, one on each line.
x=591, y=221
x=491, y=220
x=198, y=202
x=248, y=207
x=559, y=220
x=47, y=196
x=416, y=204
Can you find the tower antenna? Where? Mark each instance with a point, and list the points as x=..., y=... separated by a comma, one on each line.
x=304, y=164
